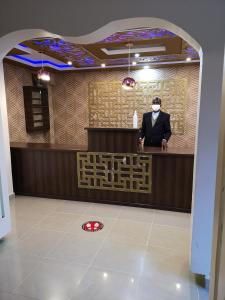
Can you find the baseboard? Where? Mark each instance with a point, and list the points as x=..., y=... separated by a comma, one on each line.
x=207, y=283
x=202, y=281
x=12, y=196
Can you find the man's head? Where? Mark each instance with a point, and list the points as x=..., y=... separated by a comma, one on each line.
x=156, y=104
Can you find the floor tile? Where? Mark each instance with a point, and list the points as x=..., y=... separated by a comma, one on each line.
x=4, y=247
x=73, y=207
x=74, y=248
x=203, y=293
x=101, y=284
x=167, y=271
x=20, y=228
x=162, y=290
x=121, y=256
x=52, y=280
x=59, y=222
x=104, y=210
x=34, y=208
x=9, y=296
x=137, y=214
x=38, y=243
x=170, y=237
x=137, y=232
x=140, y=254
x=172, y=219
x=13, y=270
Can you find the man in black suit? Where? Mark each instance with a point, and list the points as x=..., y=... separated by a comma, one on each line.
x=155, y=129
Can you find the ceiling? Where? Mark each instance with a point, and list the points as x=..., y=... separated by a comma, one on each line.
x=155, y=46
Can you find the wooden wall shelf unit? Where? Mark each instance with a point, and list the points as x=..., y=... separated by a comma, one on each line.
x=36, y=109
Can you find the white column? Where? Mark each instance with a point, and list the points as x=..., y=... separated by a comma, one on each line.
x=5, y=164
x=206, y=161
x=4, y=120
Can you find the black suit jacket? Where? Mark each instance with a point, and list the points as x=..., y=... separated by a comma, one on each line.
x=161, y=130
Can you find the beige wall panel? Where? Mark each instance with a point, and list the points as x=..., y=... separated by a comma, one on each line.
x=69, y=102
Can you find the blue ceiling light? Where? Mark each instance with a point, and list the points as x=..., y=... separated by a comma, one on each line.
x=22, y=45
x=54, y=47
x=49, y=42
x=191, y=52
x=38, y=62
x=89, y=60
x=137, y=35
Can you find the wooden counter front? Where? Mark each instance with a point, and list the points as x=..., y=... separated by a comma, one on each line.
x=50, y=170
x=114, y=140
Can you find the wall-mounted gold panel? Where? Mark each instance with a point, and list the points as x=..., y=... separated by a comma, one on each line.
x=112, y=106
x=114, y=171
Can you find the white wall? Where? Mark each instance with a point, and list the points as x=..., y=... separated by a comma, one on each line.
x=206, y=162
x=5, y=167
x=204, y=20
x=5, y=132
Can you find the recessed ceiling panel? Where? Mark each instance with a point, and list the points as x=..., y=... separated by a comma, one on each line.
x=153, y=45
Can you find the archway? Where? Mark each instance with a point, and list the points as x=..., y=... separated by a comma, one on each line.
x=9, y=41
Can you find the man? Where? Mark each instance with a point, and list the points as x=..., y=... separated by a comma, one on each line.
x=156, y=129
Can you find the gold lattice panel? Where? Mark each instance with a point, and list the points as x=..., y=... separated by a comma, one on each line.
x=117, y=172
x=112, y=106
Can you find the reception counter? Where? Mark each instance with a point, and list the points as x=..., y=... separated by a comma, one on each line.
x=148, y=178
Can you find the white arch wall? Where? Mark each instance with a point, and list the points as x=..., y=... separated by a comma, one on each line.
x=204, y=21
x=8, y=41
x=5, y=167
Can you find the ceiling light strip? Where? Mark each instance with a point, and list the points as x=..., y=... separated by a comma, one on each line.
x=134, y=50
x=39, y=62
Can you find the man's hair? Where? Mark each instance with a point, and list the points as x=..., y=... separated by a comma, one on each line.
x=156, y=100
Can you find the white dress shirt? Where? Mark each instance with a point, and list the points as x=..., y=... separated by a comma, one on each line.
x=155, y=115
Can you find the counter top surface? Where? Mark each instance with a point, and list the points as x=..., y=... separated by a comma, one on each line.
x=111, y=129
x=69, y=147
x=47, y=146
x=168, y=151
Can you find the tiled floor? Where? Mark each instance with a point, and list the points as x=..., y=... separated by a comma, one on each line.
x=140, y=254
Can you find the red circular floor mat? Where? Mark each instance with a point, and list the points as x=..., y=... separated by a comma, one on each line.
x=92, y=226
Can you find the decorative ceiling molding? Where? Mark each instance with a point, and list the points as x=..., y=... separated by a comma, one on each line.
x=110, y=51
x=134, y=50
x=143, y=34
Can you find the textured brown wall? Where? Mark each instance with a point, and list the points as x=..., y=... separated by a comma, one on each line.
x=69, y=103
x=70, y=99
x=15, y=78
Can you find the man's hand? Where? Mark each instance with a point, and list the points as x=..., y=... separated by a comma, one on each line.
x=141, y=143
x=164, y=144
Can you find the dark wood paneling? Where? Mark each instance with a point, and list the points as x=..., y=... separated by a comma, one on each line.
x=44, y=173
x=52, y=172
x=114, y=140
x=172, y=181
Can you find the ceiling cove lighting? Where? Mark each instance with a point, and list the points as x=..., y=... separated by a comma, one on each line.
x=128, y=82
x=38, y=62
x=43, y=74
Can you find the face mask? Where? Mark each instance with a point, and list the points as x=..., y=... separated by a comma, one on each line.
x=155, y=107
